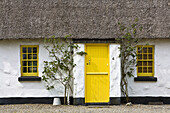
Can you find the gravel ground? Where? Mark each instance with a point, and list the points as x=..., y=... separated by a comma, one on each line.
x=46, y=108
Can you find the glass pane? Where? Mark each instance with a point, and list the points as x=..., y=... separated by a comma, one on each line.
x=139, y=69
x=29, y=56
x=144, y=63
x=149, y=69
x=149, y=50
x=144, y=69
x=34, y=50
x=24, y=56
x=24, y=63
x=150, y=56
x=29, y=69
x=144, y=50
x=29, y=63
x=34, y=63
x=24, y=69
x=150, y=63
x=24, y=50
x=29, y=50
x=34, y=56
x=144, y=56
x=139, y=50
x=34, y=69
x=139, y=63
x=139, y=56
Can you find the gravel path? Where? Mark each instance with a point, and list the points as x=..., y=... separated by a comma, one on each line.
x=46, y=108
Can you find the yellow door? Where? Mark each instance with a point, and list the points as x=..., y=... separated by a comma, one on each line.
x=97, y=73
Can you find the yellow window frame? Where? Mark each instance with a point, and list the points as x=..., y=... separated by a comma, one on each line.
x=147, y=60
x=21, y=60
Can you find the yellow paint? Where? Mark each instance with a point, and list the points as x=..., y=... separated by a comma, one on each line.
x=29, y=60
x=97, y=73
x=144, y=62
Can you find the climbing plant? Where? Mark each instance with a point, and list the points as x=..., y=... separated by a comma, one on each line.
x=128, y=40
x=61, y=64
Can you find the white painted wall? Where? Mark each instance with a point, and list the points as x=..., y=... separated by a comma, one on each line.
x=162, y=71
x=115, y=72
x=10, y=71
x=79, y=72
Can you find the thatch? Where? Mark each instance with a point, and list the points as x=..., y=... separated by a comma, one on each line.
x=81, y=18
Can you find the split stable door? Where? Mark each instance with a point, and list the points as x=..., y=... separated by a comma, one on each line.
x=97, y=73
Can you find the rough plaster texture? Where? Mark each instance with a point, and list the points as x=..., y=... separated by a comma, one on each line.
x=115, y=75
x=79, y=72
x=10, y=71
x=162, y=71
x=81, y=18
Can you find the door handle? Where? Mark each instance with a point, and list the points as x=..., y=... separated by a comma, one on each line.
x=89, y=62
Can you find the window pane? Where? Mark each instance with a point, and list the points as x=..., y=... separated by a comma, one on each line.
x=144, y=56
x=29, y=56
x=24, y=63
x=144, y=69
x=150, y=63
x=149, y=50
x=139, y=69
x=34, y=69
x=144, y=63
x=29, y=63
x=139, y=50
x=139, y=63
x=24, y=69
x=29, y=50
x=144, y=50
x=29, y=69
x=139, y=56
x=34, y=56
x=149, y=69
x=34, y=63
x=34, y=50
x=24, y=56
x=24, y=50
x=150, y=56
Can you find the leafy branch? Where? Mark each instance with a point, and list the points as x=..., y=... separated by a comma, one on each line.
x=61, y=64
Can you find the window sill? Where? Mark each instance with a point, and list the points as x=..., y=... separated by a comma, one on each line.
x=29, y=78
x=145, y=78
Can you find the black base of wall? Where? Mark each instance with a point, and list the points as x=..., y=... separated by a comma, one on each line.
x=115, y=100
x=81, y=101
x=146, y=100
x=78, y=101
x=32, y=100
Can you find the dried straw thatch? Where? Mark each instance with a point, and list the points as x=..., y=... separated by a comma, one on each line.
x=95, y=19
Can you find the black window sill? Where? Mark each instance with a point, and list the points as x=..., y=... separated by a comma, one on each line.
x=29, y=78
x=146, y=78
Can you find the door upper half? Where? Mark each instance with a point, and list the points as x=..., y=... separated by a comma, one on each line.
x=97, y=58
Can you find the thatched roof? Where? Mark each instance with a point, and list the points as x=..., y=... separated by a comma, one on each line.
x=81, y=18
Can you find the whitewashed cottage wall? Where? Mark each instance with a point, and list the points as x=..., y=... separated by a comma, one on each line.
x=10, y=71
x=160, y=88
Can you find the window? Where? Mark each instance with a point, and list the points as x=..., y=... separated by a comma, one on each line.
x=145, y=61
x=29, y=60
